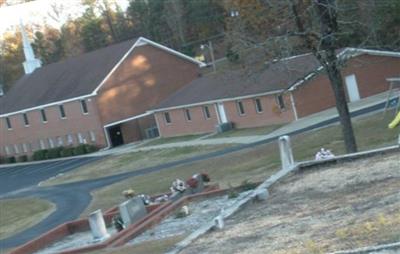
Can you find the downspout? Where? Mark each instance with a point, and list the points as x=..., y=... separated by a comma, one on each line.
x=107, y=138
x=293, y=106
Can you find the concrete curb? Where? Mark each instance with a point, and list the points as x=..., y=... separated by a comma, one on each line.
x=270, y=181
x=369, y=249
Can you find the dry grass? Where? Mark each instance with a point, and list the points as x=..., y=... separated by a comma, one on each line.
x=130, y=162
x=250, y=164
x=264, y=130
x=160, y=141
x=320, y=210
x=150, y=247
x=19, y=214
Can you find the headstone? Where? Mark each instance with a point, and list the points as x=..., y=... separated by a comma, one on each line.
x=219, y=222
x=286, y=152
x=200, y=184
x=398, y=140
x=132, y=210
x=98, y=226
x=262, y=195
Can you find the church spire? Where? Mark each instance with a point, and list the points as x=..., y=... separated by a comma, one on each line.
x=31, y=63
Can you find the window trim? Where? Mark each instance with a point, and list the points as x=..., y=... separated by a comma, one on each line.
x=206, y=113
x=8, y=123
x=84, y=107
x=259, y=107
x=43, y=115
x=167, y=118
x=61, y=110
x=240, y=108
x=188, y=115
x=25, y=119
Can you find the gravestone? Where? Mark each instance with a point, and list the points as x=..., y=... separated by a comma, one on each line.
x=286, y=152
x=200, y=184
x=219, y=222
x=98, y=226
x=132, y=210
x=262, y=194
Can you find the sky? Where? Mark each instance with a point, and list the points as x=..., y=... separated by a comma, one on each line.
x=41, y=12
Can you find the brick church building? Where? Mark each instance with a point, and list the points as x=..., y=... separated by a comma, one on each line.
x=101, y=97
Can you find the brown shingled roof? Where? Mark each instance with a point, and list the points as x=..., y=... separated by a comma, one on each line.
x=276, y=76
x=73, y=77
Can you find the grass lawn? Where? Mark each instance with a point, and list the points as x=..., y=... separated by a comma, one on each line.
x=264, y=130
x=153, y=247
x=130, y=162
x=254, y=163
x=19, y=214
x=161, y=141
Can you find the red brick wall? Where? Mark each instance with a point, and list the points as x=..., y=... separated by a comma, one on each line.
x=180, y=126
x=75, y=122
x=148, y=76
x=270, y=115
x=370, y=71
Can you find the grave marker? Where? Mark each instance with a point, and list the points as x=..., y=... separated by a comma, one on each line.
x=286, y=152
x=132, y=210
x=98, y=226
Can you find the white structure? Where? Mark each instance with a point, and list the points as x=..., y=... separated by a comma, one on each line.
x=219, y=222
x=285, y=149
x=262, y=195
x=98, y=226
x=31, y=63
x=132, y=210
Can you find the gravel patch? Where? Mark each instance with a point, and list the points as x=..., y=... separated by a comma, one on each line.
x=200, y=212
x=77, y=240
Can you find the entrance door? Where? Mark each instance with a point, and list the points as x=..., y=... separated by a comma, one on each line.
x=352, y=88
x=221, y=112
x=115, y=136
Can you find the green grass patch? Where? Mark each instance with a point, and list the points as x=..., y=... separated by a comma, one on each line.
x=19, y=214
x=161, y=141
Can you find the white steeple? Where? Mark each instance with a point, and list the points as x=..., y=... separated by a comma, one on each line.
x=31, y=63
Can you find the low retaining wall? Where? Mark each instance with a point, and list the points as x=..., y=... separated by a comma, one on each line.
x=156, y=213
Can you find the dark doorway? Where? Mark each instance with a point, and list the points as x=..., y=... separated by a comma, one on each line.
x=115, y=134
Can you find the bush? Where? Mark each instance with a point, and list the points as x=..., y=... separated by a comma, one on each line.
x=79, y=150
x=11, y=159
x=67, y=151
x=40, y=155
x=54, y=153
x=23, y=158
x=90, y=148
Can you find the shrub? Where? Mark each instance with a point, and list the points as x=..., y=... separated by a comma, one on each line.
x=40, y=155
x=11, y=159
x=67, y=151
x=54, y=153
x=23, y=158
x=79, y=150
x=90, y=148
x=247, y=185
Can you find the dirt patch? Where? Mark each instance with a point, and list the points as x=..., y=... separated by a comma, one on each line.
x=315, y=211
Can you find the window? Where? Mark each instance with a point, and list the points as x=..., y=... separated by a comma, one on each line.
x=44, y=117
x=258, y=104
x=51, y=142
x=60, y=141
x=240, y=107
x=92, y=136
x=206, y=112
x=24, y=148
x=8, y=122
x=81, y=139
x=84, y=107
x=280, y=101
x=16, y=149
x=70, y=139
x=167, y=117
x=62, y=111
x=26, y=120
x=187, y=115
x=41, y=144
x=8, y=150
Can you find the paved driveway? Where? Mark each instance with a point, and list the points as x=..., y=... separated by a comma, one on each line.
x=16, y=178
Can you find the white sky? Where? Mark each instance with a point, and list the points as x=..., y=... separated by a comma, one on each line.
x=40, y=12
